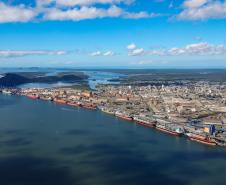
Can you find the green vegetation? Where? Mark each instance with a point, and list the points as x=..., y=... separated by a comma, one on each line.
x=14, y=79
x=134, y=75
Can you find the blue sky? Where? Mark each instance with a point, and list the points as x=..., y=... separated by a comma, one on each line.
x=113, y=33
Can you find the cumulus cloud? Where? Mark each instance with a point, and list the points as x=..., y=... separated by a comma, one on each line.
x=109, y=53
x=194, y=3
x=18, y=13
x=85, y=12
x=133, y=50
x=139, y=15
x=18, y=53
x=136, y=52
x=86, y=2
x=202, y=10
x=131, y=46
x=82, y=13
x=73, y=10
x=100, y=53
x=196, y=49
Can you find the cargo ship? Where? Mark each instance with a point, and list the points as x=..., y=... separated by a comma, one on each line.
x=33, y=97
x=72, y=104
x=89, y=106
x=46, y=98
x=123, y=116
x=168, y=130
x=107, y=111
x=144, y=122
x=6, y=92
x=59, y=101
x=201, y=139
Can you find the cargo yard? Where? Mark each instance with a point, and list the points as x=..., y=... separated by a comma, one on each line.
x=194, y=110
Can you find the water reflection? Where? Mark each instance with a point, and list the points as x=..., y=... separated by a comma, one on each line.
x=49, y=145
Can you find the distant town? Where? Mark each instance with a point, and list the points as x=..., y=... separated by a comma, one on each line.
x=196, y=110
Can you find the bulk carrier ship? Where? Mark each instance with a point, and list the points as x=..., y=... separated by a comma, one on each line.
x=169, y=130
x=107, y=111
x=33, y=97
x=123, y=116
x=143, y=122
x=201, y=139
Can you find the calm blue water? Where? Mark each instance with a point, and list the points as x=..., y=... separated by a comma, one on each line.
x=46, y=85
x=100, y=77
x=46, y=144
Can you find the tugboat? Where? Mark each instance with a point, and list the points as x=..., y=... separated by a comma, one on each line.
x=201, y=139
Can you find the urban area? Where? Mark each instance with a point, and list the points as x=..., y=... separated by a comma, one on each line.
x=194, y=110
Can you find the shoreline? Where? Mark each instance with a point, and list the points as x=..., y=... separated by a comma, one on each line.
x=148, y=124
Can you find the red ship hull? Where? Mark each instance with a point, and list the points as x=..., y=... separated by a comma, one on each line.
x=89, y=107
x=150, y=125
x=168, y=131
x=203, y=141
x=60, y=101
x=125, y=118
x=72, y=104
x=33, y=97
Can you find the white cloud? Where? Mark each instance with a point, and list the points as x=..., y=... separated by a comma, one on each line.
x=18, y=53
x=194, y=3
x=133, y=50
x=86, y=12
x=136, y=52
x=139, y=15
x=18, y=13
x=109, y=53
x=100, y=53
x=203, y=10
x=84, y=9
x=131, y=46
x=82, y=13
x=96, y=53
x=197, y=49
x=82, y=2
x=90, y=2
